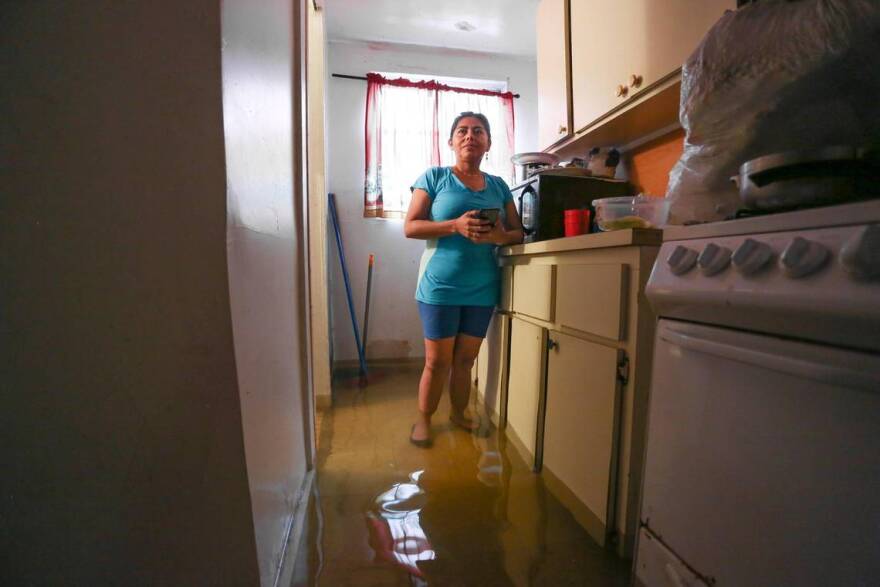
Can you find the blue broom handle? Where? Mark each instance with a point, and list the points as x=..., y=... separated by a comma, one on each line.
x=357, y=336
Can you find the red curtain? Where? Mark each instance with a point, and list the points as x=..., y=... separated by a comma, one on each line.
x=373, y=159
x=373, y=189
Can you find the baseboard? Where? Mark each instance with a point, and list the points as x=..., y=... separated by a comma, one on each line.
x=323, y=401
x=520, y=447
x=585, y=517
x=492, y=412
x=354, y=363
x=295, y=533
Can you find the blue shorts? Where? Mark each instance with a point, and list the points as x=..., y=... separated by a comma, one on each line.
x=448, y=321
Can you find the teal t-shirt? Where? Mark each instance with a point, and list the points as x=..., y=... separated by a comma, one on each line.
x=455, y=271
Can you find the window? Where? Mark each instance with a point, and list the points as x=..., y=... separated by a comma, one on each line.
x=407, y=130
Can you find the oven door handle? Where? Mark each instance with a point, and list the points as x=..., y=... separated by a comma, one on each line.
x=823, y=373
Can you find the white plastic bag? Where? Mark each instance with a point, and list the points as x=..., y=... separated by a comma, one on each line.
x=776, y=75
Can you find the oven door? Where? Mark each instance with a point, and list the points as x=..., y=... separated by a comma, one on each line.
x=763, y=458
x=527, y=206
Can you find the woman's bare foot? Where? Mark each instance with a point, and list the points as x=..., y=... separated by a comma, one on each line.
x=420, y=433
x=464, y=422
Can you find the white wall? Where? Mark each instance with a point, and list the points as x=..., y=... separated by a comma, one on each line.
x=121, y=431
x=395, y=330
x=134, y=343
x=265, y=240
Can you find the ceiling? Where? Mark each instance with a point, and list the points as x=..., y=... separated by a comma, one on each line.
x=499, y=26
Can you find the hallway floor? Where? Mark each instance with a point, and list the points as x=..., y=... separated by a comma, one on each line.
x=467, y=511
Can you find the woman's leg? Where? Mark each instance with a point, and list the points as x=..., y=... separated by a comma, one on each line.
x=464, y=354
x=438, y=359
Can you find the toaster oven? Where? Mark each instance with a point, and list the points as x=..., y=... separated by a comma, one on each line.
x=542, y=199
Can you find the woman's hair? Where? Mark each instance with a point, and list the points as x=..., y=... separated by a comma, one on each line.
x=481, y=117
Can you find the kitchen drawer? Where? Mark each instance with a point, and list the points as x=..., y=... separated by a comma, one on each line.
x=533, y=288
x=506, y=302
x=592, y=298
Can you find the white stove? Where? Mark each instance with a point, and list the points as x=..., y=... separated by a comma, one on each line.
x=763, y=450
x=812, y=274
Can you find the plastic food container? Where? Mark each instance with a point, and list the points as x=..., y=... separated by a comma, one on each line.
x=631, y=212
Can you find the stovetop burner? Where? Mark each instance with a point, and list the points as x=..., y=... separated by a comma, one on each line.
x=753, y=212
x=795, y=180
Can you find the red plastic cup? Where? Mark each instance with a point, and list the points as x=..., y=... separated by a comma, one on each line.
x=574, y=222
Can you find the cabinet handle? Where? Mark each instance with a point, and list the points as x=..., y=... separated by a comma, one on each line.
x=562, y=129
x=623, y=370
x=552, y=344
x=636, y=80
x=622, y=91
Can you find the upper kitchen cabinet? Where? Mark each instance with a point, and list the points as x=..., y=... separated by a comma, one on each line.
x=554, y=113
x=621, y=49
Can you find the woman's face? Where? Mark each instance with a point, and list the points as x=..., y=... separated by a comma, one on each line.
x=469, y=139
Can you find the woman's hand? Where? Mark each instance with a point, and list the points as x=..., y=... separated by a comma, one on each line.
x=472, y=227
x=495, y=235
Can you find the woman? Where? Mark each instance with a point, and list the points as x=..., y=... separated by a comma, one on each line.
x=459, y=278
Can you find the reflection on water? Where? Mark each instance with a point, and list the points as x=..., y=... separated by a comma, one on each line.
x=466, y=512
x=395, y=532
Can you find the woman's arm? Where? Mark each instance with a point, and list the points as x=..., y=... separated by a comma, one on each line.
x=510, y=233
x=418, y=226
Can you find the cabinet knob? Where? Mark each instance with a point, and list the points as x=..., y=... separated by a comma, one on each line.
x=552, y=344
x=563, y=129
x=636, y=80
x=622, y=91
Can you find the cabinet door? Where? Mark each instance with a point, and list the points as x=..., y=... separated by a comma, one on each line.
x=493, y=362
x=482, y=364
x=600, y=53
x=580, y=427
x=674, y=29
x=525, y=386
x=553, y=67
x=612, y=41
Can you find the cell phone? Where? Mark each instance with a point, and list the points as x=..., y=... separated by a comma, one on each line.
x=490, y=214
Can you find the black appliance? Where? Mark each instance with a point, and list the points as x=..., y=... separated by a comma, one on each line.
x=542, y=199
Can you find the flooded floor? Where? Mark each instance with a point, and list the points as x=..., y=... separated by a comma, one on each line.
x=467, y=511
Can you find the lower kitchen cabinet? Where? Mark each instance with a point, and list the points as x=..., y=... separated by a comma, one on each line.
x=579, y=352
x=525, y=387
x=491, y=371
x=582, y=402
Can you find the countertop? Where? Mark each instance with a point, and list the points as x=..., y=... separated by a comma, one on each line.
x=596, y=240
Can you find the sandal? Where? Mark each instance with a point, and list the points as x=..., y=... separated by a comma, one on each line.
x=419, y=442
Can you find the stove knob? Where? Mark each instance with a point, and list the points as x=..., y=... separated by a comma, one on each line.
x=860, y=255
x=681, y=260
x=713, y=259
x=802, y=257
x=751, y=256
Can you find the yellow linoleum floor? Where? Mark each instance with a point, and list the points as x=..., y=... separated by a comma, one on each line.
x=467, y=511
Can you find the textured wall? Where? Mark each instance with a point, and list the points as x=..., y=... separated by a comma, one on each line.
x=395, y=330
x=266, y=258
x=120, y=433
